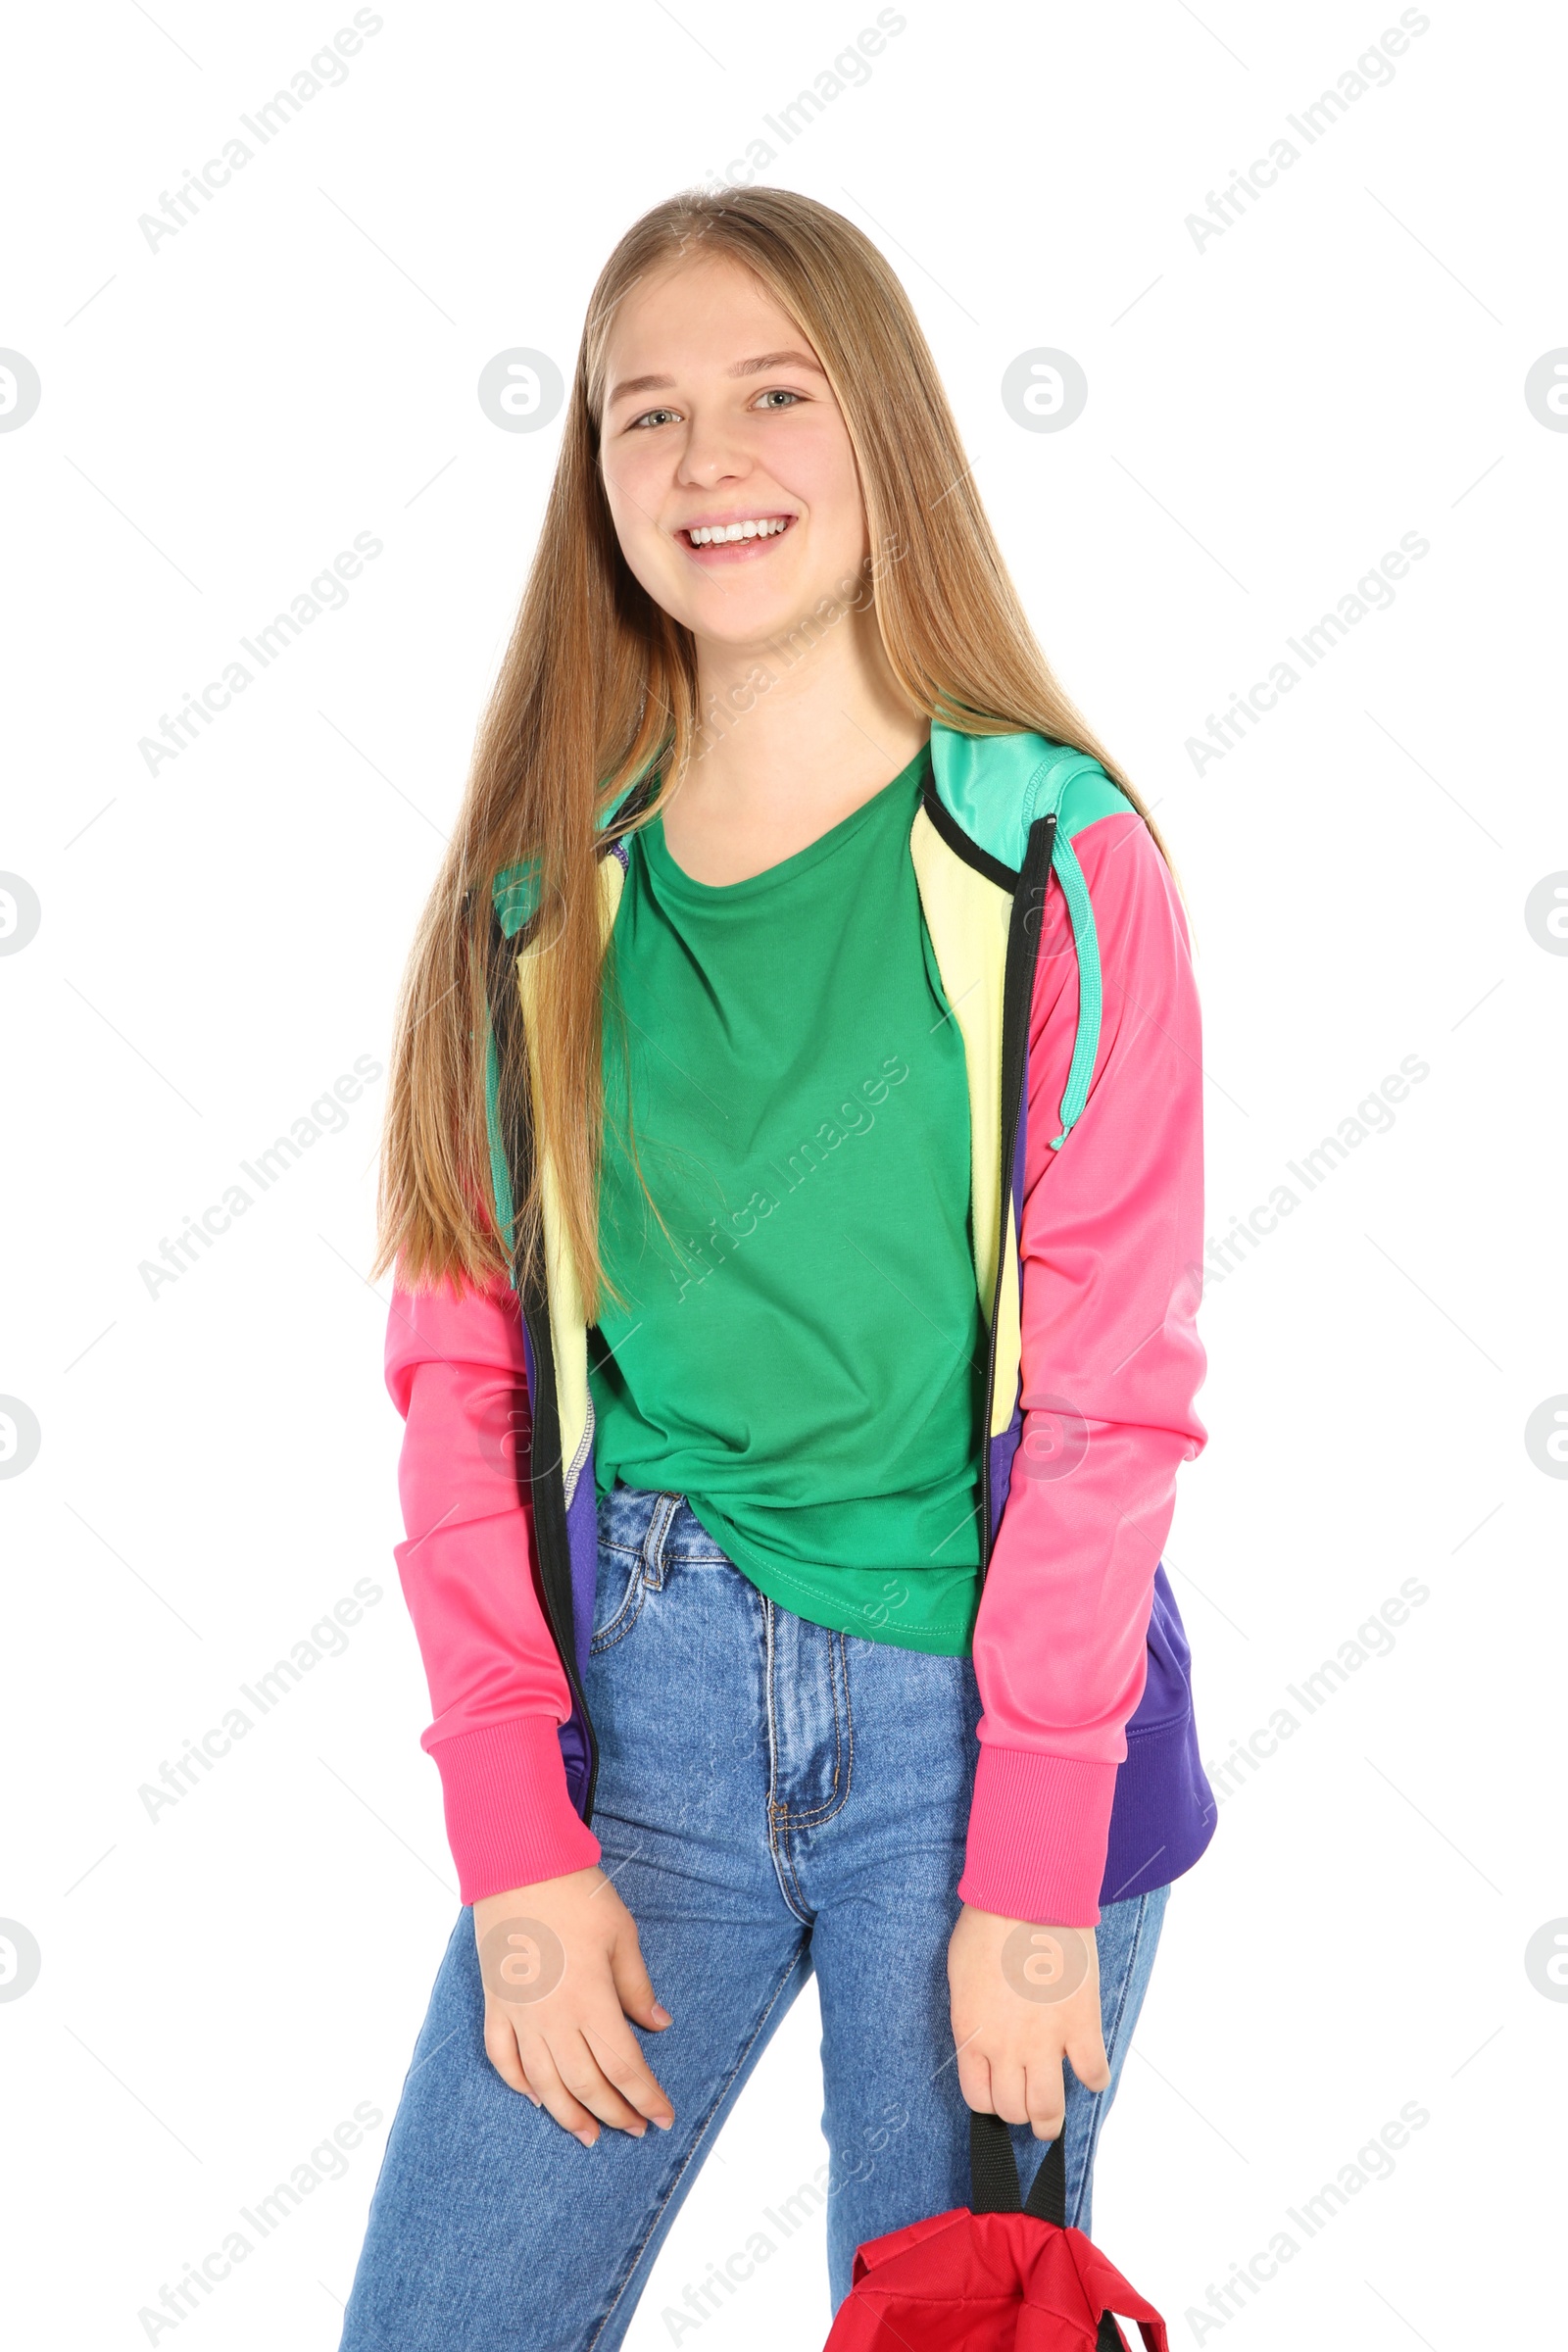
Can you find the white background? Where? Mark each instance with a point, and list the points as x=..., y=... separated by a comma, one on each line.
x=1267, y=415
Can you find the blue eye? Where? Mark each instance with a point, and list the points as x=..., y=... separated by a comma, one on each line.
x=781, y=392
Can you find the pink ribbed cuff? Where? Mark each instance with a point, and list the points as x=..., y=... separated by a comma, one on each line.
x=509, y=1818
x=1038, y=1832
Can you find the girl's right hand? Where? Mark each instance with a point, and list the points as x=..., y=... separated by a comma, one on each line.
x=563, y=1971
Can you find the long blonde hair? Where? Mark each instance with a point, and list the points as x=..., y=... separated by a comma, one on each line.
x=599, y=686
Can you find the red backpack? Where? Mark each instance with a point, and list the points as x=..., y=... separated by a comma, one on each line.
x=998, y=2277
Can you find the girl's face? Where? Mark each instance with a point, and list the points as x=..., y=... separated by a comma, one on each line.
x=717, y=414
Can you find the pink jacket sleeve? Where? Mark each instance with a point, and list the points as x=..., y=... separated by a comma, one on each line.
x=455, y=1369
x=1110, y=1236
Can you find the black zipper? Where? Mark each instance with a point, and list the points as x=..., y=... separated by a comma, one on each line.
x=547, y=1486
x=1017, y=996
x=547, y=1479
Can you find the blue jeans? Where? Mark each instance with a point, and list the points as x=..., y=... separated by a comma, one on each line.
x=774, y=1799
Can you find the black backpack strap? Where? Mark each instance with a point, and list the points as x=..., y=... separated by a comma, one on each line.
x=994, y=2175
x=994, y=2188
x=1048, y=2190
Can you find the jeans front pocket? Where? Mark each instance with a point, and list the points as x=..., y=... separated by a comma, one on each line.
x=618, y=1591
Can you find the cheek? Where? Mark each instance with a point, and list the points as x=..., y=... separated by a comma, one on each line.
x=650, y=568
x=628, y=480
x=820, y=469
x=634, y=492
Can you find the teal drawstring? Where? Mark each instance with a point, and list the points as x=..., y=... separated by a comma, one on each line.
x=1086, y=947
x=1043, y=797
x=499, y=1171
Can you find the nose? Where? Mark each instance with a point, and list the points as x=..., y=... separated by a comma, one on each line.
x=713, y=453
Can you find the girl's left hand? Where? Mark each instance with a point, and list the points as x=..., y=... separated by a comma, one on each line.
x=1024, y=1998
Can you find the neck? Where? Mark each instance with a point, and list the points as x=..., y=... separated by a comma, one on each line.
x=796, y=731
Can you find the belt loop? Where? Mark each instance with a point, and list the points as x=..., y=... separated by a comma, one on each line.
x=659, y=1524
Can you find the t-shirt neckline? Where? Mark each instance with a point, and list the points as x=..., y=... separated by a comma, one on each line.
x=675, y=876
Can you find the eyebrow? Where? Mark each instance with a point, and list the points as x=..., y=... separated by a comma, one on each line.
x=742, y=367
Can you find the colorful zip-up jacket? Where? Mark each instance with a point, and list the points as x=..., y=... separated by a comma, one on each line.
x=1063, y=953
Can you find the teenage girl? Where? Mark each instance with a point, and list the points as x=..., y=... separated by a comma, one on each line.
x=793, y=1192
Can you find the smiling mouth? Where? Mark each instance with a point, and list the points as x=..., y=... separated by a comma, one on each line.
x=747, y=535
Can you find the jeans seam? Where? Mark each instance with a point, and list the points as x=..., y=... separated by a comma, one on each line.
x=784, y=1856
x=777, y=1838
x=608, y=1637
x=719, y=2098
x=631, y=1608
x=781, y=1821
x=814, y=1817
x=778, y=1816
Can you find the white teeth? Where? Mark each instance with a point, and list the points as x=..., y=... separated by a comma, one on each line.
x=711, y=535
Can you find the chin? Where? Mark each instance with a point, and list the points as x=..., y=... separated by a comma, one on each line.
x=740, y=624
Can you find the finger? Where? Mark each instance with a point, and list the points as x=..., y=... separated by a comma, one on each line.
x=1009, y=2094
x=1086, y=2055
x=634, y=1986
x=627, y=2070
x=974, y=2080
x=1047, y=2099
x=583, y=2076
x=569, y=2112
x=501, y=2048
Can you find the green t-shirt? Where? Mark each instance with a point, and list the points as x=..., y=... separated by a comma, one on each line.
x=799, y=1352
